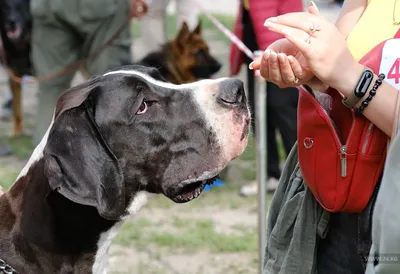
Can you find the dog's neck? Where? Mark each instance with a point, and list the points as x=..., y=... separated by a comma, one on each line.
x=16, y=55
x=42, y=226
x=43, y=232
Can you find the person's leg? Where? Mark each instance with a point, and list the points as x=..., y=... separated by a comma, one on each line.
x=52, y=49
x=281, y=115
x=251, y=43
x=151, y=25
x=118, y=53
x=187, y=11
x=347, y=244
x=273, y=170
x=282, y=109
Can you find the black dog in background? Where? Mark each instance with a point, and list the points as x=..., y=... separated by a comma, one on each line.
x=15, y=31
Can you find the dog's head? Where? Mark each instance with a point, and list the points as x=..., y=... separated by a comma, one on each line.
x=191, y=54
x=15, y=20
x=128, y=130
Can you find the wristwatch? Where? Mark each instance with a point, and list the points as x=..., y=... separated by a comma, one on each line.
x=360, y=90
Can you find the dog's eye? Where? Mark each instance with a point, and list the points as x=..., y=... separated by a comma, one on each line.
x=143, y=108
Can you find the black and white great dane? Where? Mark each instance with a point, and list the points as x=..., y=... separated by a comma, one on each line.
x=113, y=142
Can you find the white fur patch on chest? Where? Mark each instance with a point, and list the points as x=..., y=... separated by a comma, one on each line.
x=101, y=260
x=37, y=152
x=141, y=198
x=103, y=245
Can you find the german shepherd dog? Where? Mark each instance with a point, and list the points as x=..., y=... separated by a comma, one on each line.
x=185, y=59
x=15, y=31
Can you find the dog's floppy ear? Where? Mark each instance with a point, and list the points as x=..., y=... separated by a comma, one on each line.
x=78, y=162
x=197, y=30
x=75, y=96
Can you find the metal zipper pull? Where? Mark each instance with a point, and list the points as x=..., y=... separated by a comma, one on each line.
x=343, y=161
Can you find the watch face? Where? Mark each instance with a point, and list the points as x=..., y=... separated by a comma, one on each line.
x=363, y=84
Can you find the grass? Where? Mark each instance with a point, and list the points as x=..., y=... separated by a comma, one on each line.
x=191, y=236
x=21, y=146
x=226, y=20
x=179, y=222
x=250, y=174
x=7, y=177
x=133, y=232
x=183, y=233
x=250, y=154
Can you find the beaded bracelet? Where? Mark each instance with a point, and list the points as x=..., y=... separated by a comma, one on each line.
x=371, y=95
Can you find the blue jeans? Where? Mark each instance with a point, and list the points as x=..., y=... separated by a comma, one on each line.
x=347, y=243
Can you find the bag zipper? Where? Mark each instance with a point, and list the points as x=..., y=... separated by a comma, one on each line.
x=342, y=147
x=343, y=161
x=367, y=137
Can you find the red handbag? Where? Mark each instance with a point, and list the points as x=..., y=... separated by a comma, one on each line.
x=341, y=154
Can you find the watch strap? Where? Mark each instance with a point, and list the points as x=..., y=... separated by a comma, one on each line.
x=360, y=90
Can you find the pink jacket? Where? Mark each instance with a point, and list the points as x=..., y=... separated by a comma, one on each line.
x=259, y=11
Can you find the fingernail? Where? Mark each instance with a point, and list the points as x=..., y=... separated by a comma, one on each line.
x=269, y=24
x=251, y=65
x=281, y=57
x=312, y=3
x=270, y=20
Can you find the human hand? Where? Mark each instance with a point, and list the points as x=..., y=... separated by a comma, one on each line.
x=324, y=48
x=1, y=191
x=138, y=8
x=283, y=64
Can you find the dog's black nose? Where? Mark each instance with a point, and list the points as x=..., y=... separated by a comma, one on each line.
x=217, y=66
x=11, y=22
x=231, y=92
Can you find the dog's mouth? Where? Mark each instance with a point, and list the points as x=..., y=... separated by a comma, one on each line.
x=191, y=190
x=14, y=33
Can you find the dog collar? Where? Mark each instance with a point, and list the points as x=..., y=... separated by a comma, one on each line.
x=6, y=268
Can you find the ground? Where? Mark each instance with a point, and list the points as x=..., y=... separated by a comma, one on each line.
x=216, y=233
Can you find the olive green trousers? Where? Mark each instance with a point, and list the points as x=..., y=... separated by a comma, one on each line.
x=65, y=31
